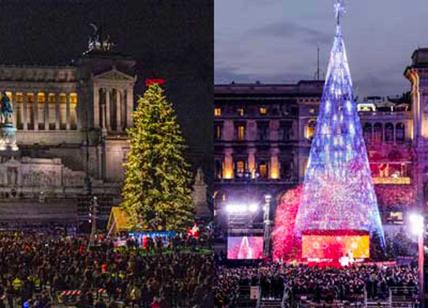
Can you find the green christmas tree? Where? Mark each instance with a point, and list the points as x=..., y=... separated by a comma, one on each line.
x=156, y=191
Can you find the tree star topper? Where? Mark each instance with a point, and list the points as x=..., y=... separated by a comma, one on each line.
x=339, y=8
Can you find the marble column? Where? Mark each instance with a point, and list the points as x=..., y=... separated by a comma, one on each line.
x=96, y=109
x=107, y=109
x=67, y=112
x=25, y=111
x=118, y=111
x=57, y=111
x=46, y=111
x=104, y=121
x=129, y=106
x=252, y=162
x=36, y=111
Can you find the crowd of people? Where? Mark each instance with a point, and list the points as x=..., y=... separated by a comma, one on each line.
x=291, y=282
x=36, y=268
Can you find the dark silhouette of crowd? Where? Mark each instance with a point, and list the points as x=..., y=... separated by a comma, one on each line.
x=290, y=282
x=37, y=267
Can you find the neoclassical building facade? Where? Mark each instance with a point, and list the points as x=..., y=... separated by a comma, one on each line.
x=71, y=132
x=263, y=134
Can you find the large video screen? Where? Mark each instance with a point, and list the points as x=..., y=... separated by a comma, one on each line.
x=244, y=247
x=330, y=246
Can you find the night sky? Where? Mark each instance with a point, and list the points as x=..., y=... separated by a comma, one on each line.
x=276, y=40
x=170, y=39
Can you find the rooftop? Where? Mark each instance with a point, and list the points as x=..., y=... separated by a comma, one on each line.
x=303, y=87
x=420, y=57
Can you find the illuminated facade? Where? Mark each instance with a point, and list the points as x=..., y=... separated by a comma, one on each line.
x=70, y=120
x=388, y=130
x=417, y=74
x=262, y=137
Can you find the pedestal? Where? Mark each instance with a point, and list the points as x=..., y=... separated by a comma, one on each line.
x=8, y=137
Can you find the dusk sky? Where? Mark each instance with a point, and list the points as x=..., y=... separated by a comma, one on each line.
x=276, y=40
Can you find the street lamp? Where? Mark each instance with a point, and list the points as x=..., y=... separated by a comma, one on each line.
x=417, y=228
x=93, y=214
x=266, y=225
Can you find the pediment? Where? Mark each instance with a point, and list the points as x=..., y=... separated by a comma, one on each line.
x=115, y=75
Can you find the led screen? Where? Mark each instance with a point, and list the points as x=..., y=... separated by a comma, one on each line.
x=244, y=247
x=335, y=246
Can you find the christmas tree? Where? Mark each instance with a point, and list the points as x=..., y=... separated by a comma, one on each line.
x=338, y=191
x=156, y=191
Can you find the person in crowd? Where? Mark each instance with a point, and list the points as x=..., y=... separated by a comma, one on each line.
x=41, y=267
x=320, y=284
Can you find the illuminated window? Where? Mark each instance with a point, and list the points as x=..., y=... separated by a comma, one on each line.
x=366, y=107
x=396, y=217
x=263, y=170
x=52, y=111
x=41, y=98
x=217, y=111
x=310, y=129
x=217, y=132
x=41, y=116
x=240, y=111
x=30, y=111
x=240, y=132
x=263, y=110
x=62, y=111
x=73, y=111
x=19, y=108
x=73, y=98
x=240, y=168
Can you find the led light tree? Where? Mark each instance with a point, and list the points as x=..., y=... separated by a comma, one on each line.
x=338, y=192
x=157, y=187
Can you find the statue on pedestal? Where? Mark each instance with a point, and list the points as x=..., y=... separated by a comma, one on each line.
x=199, y=196
x=7, y=131
x=6, y=109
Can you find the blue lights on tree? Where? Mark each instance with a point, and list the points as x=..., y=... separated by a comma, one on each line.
x=338, y=189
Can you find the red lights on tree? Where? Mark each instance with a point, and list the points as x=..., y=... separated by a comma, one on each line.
x=152, y=81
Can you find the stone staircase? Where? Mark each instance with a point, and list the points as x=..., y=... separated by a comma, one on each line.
x=34, y=211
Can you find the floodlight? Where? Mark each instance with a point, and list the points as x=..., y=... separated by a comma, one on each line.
x=253, y=207
x=416, y=222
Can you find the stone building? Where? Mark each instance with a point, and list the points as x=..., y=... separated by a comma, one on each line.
x=263, y=135
x=262, y=139
x=71, y=123
x=417, y=74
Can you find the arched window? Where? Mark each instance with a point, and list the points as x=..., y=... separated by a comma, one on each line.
x=377, y=133
x=367, y=132
x=263, y=170
x=400, y=132
x=389, y=132
x=310, y=129
x=240, y=167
